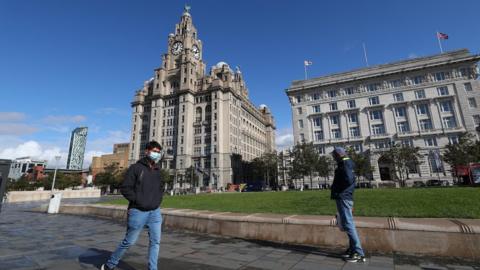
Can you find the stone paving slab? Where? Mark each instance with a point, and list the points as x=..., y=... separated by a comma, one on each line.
x=31, y=240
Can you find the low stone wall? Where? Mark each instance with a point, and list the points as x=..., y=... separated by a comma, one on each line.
x=26, y=196
x=434, y=237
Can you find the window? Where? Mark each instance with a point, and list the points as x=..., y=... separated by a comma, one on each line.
x=354, y=132
x=417, y=80
x=446, y=106
x=299, y=110
x=332, y=93
x=198, y=140
x=302, y=137
x=453, y=139
x=300, y=123
x=430, y=142
x=398, y=97
x=463, y=72
x=407, y=142
x=378, y=129
x=373, y=87
x=376, y=115
x=422, y=109
x=349, y=91
x=442, y=91
x=467, y=86
x=403, y=127
x=449, y=122
x=336, y=134
x=299, y=99
x=426, y=124
x=316, y=108
x=333, y=106
x=472, y=102
x=316, y=96
x=318, y=135
x=440, y=76
x=356, y=147
x=351, y=103
x=352, y=118
x=373, y=100
x=334, y=119
x=400, y=112
x=317, y=122
x=381, y=145
x=476, y=120
x=395, y=83
x=419, y=94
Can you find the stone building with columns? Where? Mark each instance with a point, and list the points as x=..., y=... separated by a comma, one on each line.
x=426, y=102
x=204, y=120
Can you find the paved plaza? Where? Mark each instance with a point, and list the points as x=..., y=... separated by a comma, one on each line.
x=33, y=240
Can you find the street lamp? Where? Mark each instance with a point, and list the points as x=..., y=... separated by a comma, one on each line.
x=57, y=158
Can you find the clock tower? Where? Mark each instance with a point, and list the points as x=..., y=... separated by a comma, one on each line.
x=182, y=65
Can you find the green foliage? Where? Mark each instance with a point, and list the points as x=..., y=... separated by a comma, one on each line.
x=363, y=168
x=407, y=202
x=23, y=184
x=466, y=151
x=62, y=181
x=401, y=157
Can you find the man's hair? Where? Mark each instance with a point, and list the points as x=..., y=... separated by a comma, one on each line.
x=153, y=144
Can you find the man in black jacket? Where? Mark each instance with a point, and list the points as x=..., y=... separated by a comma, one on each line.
x=342, y=192
x=143, y=188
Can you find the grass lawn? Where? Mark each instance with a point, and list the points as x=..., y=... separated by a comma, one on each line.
x=408, y=202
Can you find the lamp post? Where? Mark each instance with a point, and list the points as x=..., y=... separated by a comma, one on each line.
x=57, y=158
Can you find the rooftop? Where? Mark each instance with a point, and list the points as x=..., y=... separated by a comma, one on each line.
x=387, y=69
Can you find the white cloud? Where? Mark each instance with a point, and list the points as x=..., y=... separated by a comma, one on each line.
x=284, y=138
x=63, y=119
x=412, y=55
x=11, y=116
x=16, y=129
x=34, y=150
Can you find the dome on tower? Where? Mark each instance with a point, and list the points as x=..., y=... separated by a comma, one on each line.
x=221, y=64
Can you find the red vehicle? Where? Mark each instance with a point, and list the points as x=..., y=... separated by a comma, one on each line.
x=469, y=174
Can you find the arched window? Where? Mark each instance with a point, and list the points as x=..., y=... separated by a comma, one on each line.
x=198, y=114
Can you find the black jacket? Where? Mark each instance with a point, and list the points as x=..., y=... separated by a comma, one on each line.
x=344, y=180
x=143, y=186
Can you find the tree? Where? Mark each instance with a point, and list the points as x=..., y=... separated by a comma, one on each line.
x=466, y=151
x=166, y=178
x=401, y=158
x=270, y=161
x=363, y=168
x=324, y=167
x=191, y=176
x=305, y=160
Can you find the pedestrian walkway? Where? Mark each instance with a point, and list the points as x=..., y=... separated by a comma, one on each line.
x=32, y=240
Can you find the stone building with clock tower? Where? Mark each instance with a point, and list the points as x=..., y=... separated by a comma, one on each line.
x=203, y=120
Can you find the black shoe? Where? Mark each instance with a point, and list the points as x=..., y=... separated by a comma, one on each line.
x=355, y=257
x=105, y=267
x=346, y=254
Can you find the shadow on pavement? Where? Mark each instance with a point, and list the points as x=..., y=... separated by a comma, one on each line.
x=97, y=257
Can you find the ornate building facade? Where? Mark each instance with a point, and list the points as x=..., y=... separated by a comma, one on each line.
x=426, y=102
x=204, y=120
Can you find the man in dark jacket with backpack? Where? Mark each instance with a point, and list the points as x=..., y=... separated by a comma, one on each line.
x=342, y=192
x=143, y=188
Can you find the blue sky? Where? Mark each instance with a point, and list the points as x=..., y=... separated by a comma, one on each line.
x=74, y=63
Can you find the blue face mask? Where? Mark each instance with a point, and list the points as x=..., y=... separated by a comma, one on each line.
x=155, y=156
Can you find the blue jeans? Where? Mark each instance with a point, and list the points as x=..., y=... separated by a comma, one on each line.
x=344, y=208
x=137, y=220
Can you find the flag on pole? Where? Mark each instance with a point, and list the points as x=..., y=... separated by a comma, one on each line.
x=307, y=63
x=442, y=35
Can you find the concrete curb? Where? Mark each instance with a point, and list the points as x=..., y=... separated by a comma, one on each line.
x=420, y=236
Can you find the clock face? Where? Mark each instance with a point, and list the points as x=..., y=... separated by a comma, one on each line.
x=196, y=51
x=177, y=47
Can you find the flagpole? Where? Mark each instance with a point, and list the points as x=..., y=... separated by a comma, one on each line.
x=305, y=66
x=439, y=43
x=365, y=53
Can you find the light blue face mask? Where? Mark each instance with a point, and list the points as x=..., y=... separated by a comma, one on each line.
x=155, y=156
